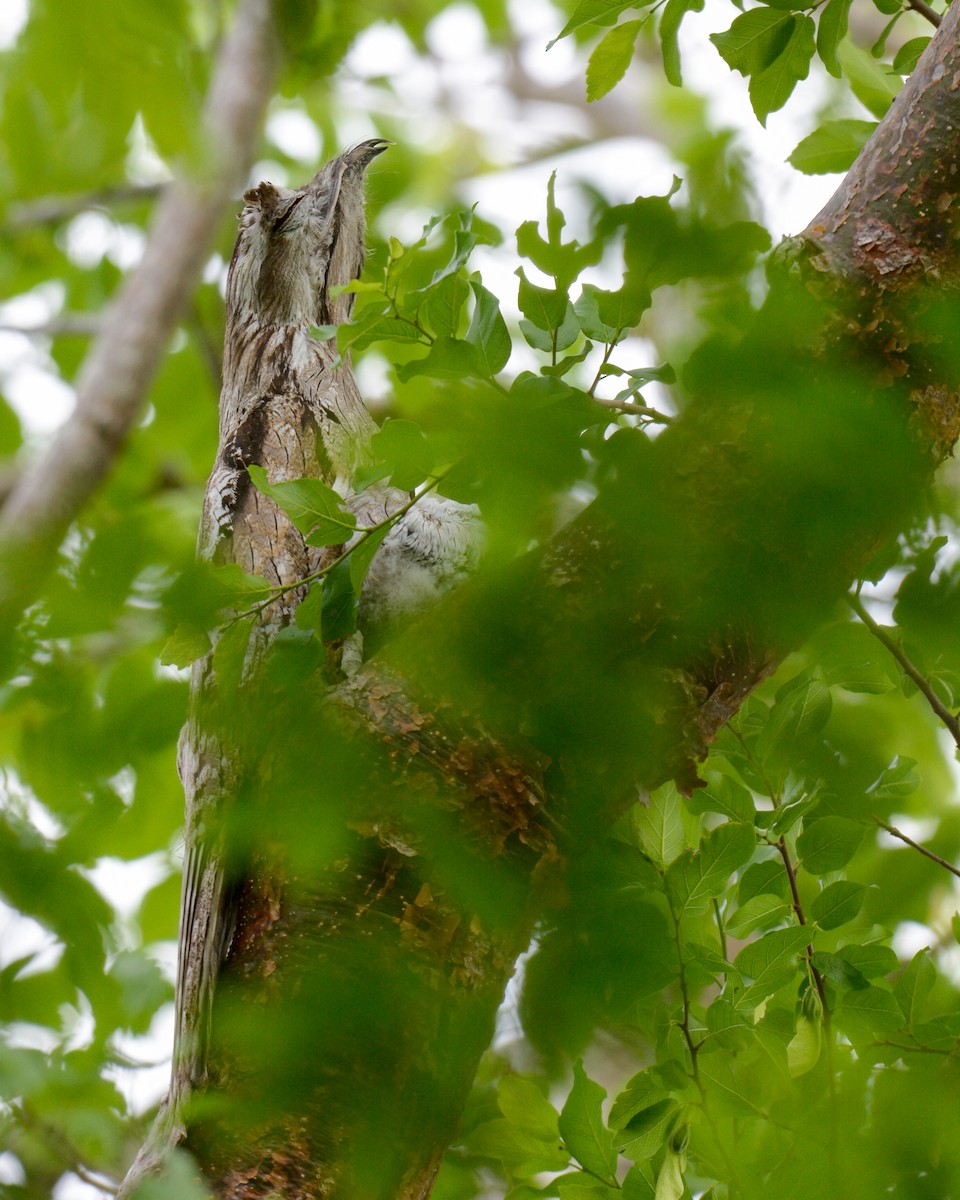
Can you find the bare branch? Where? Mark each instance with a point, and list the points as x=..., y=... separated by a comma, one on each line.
x=64, y=325
x=51, y=210
x=122, y=362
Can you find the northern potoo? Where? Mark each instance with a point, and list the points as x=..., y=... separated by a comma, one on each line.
x=289, y=405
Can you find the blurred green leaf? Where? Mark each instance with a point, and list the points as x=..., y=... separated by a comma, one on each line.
x=582, y=1128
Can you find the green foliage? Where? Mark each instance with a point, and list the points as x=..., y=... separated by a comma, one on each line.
x=734, y=953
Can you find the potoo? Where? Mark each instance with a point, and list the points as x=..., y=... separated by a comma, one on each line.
x=290, y=405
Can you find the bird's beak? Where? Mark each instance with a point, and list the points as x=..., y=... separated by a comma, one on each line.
x=364, y=152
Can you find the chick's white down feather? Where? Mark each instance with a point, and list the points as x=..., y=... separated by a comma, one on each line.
x=432, y=548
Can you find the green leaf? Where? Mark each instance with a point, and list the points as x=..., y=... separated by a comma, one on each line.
x=639, y=1183
x=802, y=708
x=525, y=1105
x=378, y=329
x=768, y=876
x=849, y=655
x=659, y=825
x=522, y=1154
x=693, y=880
x=402, y=446
x=444, y=304
x=587, y=310
x=339, y=609
x=728, y=1028
x=185, y=645
x=309, y=614
x=610, y=59
x=543, y=307
x=582, y=1128
x=465, y=242
x=867, y=1012
x=838, y=903
x=563, y=260
x=831, y=30
x=315, y=509
x=873, y=86
x=578, y=1185
x=647, y=1131
x=447, y=358
x=828, y=844
x=673, y=14
x=362, y=555
x=908, y=55
x=592, y=12
x=913, y=987
x=548, y=342
x=760, y=912
x=771, y=963
x=755, y=39
x=772, y=87
x=871, y=961
x=488, y=331
x=898, y=781
x=723, y=795
x=229, y=655
x=833, y=146
x=141, y=989
x=640, y=1092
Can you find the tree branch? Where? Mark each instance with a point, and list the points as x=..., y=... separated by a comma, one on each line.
x=51, y=210
x=923, y=684
x=924, y=9
x=897, y=833
x=122, y=362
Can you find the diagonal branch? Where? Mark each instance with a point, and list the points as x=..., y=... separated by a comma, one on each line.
x=122, y=362
x=922, y=682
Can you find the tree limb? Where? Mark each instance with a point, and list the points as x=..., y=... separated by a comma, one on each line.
x=51, y=210
x=117, y=372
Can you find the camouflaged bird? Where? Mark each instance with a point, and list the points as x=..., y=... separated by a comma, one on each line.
x=291, y=405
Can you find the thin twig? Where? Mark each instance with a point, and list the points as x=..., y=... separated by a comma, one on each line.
x=923, y=684
x=639, y=410
x=898, y=833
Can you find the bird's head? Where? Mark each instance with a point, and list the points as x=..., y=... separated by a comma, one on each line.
x=296, y=244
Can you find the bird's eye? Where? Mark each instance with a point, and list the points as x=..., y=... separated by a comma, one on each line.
x=281, y=220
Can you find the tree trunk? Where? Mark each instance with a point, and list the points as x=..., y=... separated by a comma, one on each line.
x=392, y=839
